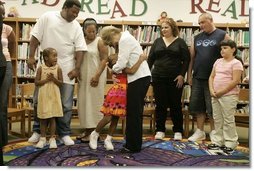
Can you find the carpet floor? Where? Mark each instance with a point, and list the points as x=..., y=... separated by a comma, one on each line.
x=154, y=153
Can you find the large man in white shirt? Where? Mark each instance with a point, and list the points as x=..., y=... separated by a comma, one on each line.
x=60, y=30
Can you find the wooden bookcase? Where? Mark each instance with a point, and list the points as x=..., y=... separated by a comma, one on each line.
x=23, y=26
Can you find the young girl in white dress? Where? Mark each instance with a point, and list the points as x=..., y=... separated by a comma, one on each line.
x=49, y=78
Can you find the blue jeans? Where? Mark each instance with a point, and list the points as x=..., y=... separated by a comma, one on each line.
x=63, y=124
x=4, y=96
x=36, y=125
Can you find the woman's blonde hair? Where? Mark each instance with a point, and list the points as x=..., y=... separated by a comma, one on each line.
x=107, y=34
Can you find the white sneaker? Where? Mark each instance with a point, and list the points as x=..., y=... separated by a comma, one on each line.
x=52, y=143
x=178, y=136
x=34, y=138
x=232, y=145
x=159, y=135
x=108, y=144
x=197, y=136
x=67, y=140
x=41, y=143
x=211, y=134
x=93, y=140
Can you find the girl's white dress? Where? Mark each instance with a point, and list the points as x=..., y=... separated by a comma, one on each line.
x=49, y=97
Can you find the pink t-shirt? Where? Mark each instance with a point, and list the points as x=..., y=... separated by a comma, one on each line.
x=5, y=33
x=224, y=74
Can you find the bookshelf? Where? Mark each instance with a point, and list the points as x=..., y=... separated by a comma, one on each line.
x=145, y=32
x=21, y=73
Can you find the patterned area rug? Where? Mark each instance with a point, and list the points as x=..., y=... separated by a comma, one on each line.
x=154, y=153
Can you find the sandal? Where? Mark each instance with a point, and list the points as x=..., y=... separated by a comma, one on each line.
x=79, y=137
x=85, y=139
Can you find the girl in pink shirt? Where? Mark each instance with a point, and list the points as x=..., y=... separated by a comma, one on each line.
x=223, y=81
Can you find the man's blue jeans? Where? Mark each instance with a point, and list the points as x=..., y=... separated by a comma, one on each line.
x=4, y=96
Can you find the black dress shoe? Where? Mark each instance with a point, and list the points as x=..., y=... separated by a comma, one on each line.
x=126, y=150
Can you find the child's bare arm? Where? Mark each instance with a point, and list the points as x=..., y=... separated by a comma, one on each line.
x=38, y=81
x=135, y=67
x=112, y=60
x=211, y=79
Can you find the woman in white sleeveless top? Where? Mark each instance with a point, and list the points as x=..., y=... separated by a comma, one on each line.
x=92, y=81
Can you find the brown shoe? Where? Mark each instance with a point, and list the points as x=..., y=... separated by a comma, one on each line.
x=79, y=137
x=85, y=139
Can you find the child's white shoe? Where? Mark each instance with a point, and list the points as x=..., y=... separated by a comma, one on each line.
x=93, y=140
x=178, y=136
x=108, y=143
x=42, y=142
x=52, y=143
x=159, y=135
x=34, y=138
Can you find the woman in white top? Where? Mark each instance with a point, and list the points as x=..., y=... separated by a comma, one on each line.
x=129, y=51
